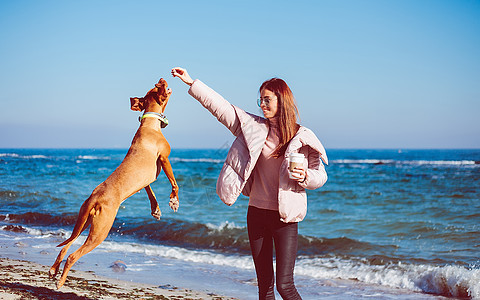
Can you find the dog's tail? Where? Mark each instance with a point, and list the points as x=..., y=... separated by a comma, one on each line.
x=82, y=221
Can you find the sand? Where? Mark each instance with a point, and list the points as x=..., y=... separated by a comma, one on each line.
x=27, y=280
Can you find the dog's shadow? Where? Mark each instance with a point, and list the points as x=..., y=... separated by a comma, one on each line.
x=35, y=292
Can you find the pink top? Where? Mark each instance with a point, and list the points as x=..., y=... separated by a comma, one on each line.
x=264, y=193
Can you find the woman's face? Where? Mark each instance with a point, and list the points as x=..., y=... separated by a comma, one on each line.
x=268, y=103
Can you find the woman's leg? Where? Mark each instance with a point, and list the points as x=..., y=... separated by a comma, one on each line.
x=261, y=244
x=286, y=241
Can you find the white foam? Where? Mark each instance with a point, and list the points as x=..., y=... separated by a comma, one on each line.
x=39, y=233
x=92, y=157
x=15, y=155
x=197, y=160
x=362, y=161
x=9, y=155
x=189, y=255
x=405, y=162
x=441, y=280
x=442, y=162
x=223, y=225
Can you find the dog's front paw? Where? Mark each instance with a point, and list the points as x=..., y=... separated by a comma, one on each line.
x=157, y=213
x=174, y=203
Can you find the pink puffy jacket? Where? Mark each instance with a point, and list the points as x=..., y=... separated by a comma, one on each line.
x=251, y=132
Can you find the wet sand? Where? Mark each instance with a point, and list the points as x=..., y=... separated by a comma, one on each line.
x=27, y=280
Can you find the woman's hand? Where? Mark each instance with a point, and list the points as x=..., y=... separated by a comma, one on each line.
x=182, y=74
x=299, y=174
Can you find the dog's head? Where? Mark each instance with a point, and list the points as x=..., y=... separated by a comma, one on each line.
x=160, y=94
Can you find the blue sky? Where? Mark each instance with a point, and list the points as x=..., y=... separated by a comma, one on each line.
x=365, y=74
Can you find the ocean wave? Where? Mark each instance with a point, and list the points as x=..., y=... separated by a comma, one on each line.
x=173, y=232
x=36, y=232
x=197, y=160
x=11, y=195
x=230, y=238
x=55, y=157
x=226, y=237
x=42, y=219
x=442, y=162
x=93, y=157
x=223, y=225
x=448, y=280
x=191, y=255
x=407, y=162
x=15, y=155
x=191, y=235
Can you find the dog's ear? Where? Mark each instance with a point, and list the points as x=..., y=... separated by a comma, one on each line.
x=137, y=104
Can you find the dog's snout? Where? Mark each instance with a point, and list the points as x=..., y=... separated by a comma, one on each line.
x=161, y=82
x=162, y=86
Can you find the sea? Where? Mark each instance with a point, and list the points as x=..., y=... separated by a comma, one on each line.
x=388, y=224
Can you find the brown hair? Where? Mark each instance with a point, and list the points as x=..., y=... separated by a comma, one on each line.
x=287, y=112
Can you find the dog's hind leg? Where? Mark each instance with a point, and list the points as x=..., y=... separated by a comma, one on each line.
x=102, y=221
x=56, y=265
x=156, y=212
x=83, y=221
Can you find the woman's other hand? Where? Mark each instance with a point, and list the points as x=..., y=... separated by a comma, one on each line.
x=182, y=74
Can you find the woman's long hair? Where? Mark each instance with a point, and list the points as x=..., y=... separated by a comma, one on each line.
x=287, y=112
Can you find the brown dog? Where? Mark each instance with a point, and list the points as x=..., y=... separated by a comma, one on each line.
x=146, y=157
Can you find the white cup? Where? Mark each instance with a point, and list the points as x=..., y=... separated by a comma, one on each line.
x=295, y=160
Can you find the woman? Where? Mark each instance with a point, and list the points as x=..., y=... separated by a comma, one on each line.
x=256, y=165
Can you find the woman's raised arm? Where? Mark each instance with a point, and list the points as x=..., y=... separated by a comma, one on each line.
x=211, y=100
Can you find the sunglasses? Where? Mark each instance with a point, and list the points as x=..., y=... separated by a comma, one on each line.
x=265, y=101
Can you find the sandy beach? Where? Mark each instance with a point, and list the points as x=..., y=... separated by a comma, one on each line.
x=21, y=279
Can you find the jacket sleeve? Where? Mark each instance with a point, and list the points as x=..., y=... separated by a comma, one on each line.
x=217, y=105
x=316, y=174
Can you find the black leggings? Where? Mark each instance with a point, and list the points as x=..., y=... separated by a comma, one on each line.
x=265, y=228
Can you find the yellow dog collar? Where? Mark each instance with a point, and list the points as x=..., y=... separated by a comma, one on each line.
x=163, y=120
